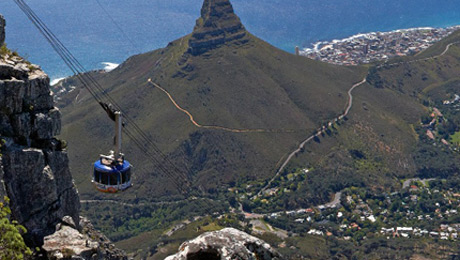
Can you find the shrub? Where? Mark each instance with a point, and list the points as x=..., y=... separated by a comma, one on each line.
x=12, y=244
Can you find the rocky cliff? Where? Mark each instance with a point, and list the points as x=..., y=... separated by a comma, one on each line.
x=2, y=30
x=217, y=25
x=36, y=174
x=35, y=171
x=228, y=243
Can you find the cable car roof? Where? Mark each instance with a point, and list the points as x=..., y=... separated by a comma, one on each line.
x=99, y=166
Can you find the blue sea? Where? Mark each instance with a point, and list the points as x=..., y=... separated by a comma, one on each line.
x=98, y=31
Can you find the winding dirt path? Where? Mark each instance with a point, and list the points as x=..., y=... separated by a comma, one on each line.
x=214, y=127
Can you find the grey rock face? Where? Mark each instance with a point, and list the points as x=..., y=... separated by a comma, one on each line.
x=36, y=174
x=217, y=25
x=228, y=243
x=27, y=107
x=68, y=242
x=41, y=189
x=2, y=30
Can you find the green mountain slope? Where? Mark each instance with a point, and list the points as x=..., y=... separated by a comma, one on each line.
x=241, y=83
x=255, y=104
x=383, y=140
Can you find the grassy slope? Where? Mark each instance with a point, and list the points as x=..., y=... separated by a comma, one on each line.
x=249, y=86
x=382, y=124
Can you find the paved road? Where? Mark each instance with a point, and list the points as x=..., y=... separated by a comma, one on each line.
x=347, y=110
x=334, y=203
x=425, y=59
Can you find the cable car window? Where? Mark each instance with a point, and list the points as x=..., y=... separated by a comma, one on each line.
x=114, y=178
x=104, y=178
x=126, y=175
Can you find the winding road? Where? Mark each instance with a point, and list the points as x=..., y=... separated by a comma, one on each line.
x=290, y=156
x=424, y=59
x=254, y=217
x=347, y=110
x=319, y=132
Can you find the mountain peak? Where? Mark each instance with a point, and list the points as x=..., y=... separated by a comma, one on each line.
x=217, y=25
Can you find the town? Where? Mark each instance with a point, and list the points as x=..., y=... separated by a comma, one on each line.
x=423, y=208
x=376, y=46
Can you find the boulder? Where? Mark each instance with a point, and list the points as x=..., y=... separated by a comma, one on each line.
x=68, y=243
x=228, y=243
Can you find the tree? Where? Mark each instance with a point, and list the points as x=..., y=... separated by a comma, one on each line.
x=12, y=244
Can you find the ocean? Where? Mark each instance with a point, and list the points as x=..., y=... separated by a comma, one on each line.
x=103, y=32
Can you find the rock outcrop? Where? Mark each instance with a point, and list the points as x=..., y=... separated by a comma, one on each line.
x=217, y=25
x=36, y=175
x=228, y=243
x=2, y=30
x=34, y=167
x=88, y=243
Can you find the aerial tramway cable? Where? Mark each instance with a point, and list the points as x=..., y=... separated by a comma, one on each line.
x=102, y=97
x=118, y=26
x=79, y=70
x=177, y=177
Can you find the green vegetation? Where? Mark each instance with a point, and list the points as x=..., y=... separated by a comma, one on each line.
x=120, y=222
x=4, y=50
x=253, y=86
x=455, y=139
x=256, y=86
x=366, y=226
x=157, y=244
x=12, y=244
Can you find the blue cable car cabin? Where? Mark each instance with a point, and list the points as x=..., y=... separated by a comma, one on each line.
x=111, y=178
x=112, y=173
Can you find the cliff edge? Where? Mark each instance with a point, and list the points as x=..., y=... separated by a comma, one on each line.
x=34, y=170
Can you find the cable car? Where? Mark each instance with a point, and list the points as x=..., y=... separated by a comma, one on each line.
x=112, y=173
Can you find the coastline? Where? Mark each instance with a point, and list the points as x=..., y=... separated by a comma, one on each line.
x=316, y=47
x=359, y=35
x=107, y=67
x=369, y=47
